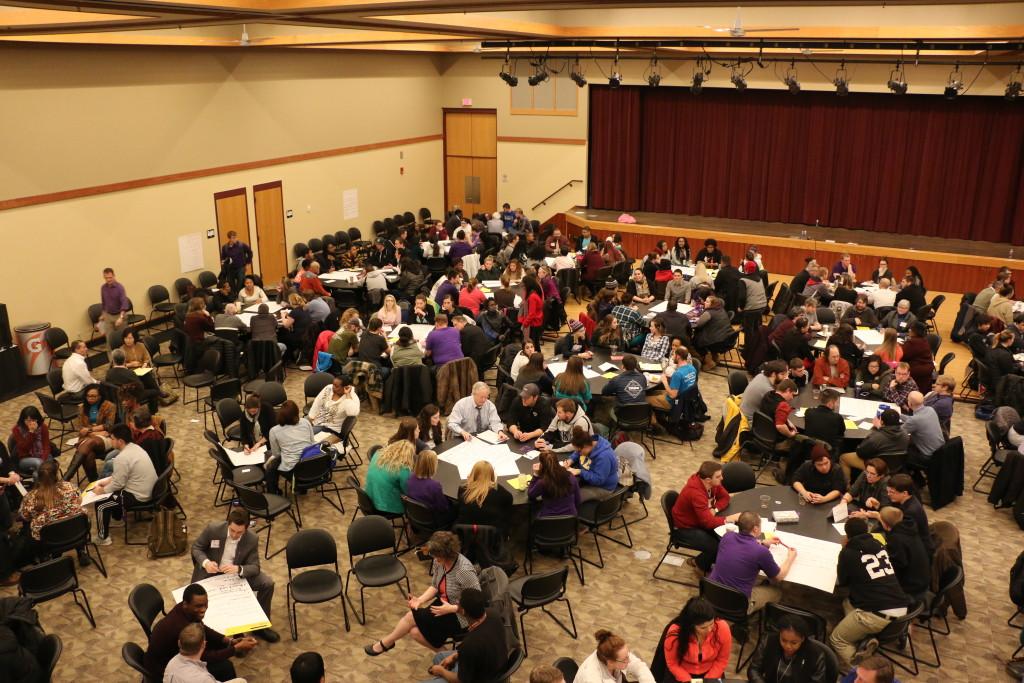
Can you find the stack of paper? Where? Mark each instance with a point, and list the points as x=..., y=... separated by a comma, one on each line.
x=241, y=458
x=648, y=366
x=273, y=307
x=467, y=454
x=858, y=408
x=870, y=337
x=558, y=368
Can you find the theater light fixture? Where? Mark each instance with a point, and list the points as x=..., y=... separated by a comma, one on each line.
x=615, y=79
x=842, y=81
x=577, y=75
x=737, y=79
x=700, y=74
x=954, y=85
x=507, y=75
x=897, y=80
x=790, y=79
x=654, y=72
x=1014, y=86
x=540, y=75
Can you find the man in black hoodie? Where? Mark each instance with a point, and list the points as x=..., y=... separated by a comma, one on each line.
x=875, y=600
x=727, y=283
x=906, y=552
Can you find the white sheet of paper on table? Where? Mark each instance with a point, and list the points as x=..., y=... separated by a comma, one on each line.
x=468, y=453
x=858, y=408
x=840, y=512
x=558, y=367
x=233, y=607
x=272, y=307
x=866, y=424
x=868, y=336
x=840, y=528
x=767, y=527
x=815, y=563
x=662, y=306
x=90, y=498
x=608, y=367
x=491, y=284
x=531, y=455
x=241, y=459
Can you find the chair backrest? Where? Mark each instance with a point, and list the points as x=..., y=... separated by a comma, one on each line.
x=420, y=516
x=329, y=239
x=568, y=667
x=40, y=580
x=729, y=603
x=610, y=506
x=934, y=342
x=831, y=660
x=826, y=316
x=774, y=611
x=252, y=500
x=273, y=393
x=763, y=428
x=554, y=531
x=226, y=388
x=51, y=407
x=839, y=308
x=944, y=363
x=738, y=476
x=151, y=344
x=181, y=286
x=55, y=338
x=158, y=294
x=94, y=311
x=210, y=361
x=633, y=415
x=899, y=626
x=515, y=660
x=310, y=548
x=316, y=244
x=136, y=659
x=145, y=602
x=65, y=534
x=55, y=380
x=207, y=278
x=369, y=534
x=668, y=501
x=315, y=383
x=312, y=471
x=738, y=381
x=48, y=654
x=545, y=587
x=354, y=234
x=229, y=411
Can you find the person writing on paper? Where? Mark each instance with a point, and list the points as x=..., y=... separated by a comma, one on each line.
x=232, y=548
x=258, y=419
x=612, y=661
x=875, y=597
x=286, y=441
x=696, y=645
x=595, y=463
x=788, y=657
x=332, y=406
x=530, y=414
x=831, y=369
x=133, y=480
x=188, y=666
x=163, y=642
x=868, y=492
x=818, y=481
x=476, y=413
x=743, y=555
x=433, y=615
x=568, y=416
x=557, y=490
x=695, y=514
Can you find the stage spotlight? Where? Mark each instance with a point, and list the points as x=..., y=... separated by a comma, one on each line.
x=507, y=75
x=539, y=77
x=738, y=80
x=842, y=81
x=654, y=80
x=653, y=73
x=577, y=75
x=790, y=79
x=615, y=80
x=1014, y=86
x=954, y=85
x=698, y=82
x=897, y=82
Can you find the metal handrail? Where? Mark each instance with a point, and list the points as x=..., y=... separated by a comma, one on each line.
x=545, y=200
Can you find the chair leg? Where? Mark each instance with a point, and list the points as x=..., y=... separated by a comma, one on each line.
x=654, y=574
x=1009, y=622
x=895, y=656
x=600, y=557
x=266, y=548
x=293, y=625
x=572, y=619
x=344, y=610
x=98, y=560
x=86, y=609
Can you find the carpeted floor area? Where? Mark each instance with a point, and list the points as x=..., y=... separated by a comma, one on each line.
x=622, y=596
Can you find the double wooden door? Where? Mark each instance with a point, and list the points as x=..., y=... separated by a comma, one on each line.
x=471, y=160
x=232, y=211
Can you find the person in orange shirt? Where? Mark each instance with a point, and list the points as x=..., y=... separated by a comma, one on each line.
x=831, y=369
x=696, y=645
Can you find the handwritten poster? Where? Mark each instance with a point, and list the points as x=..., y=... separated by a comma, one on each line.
x=350, y=200
x=190, y=252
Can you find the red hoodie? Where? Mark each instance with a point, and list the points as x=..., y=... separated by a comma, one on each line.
x=693, y=506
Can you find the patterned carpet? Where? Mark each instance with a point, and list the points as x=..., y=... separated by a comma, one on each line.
x=623, y=596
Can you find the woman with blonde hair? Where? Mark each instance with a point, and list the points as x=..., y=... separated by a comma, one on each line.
x=423, y=488
x=482, y=501
x=700, y=276
x=387, y=477
x=514, y=271
x=890, y=350
x=390, y=313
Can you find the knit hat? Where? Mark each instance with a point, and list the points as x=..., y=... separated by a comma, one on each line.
x=751, y=267
x=530, y=390
x=611, y=283
x=575, y=326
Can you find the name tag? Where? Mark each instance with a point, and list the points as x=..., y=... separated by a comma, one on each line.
x=215, y=543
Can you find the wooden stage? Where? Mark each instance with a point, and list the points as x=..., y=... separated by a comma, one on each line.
x=947, y=265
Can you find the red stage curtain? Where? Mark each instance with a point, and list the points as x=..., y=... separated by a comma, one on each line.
x=917, y=165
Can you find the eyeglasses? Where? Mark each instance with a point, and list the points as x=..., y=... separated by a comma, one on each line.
x=623, y=661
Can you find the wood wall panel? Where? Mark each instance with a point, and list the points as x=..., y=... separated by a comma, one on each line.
x=458, y=134
x=942, y=272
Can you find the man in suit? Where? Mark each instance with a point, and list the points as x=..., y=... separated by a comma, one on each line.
x=230, y=548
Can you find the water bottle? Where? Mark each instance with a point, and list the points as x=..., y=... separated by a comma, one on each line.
x=1011, y=252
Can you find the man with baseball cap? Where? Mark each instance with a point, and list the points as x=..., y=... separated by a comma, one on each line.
x=530, y=414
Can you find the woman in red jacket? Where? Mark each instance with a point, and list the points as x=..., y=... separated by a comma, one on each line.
x=697, y=644
x=918, y=354
x=531, y=314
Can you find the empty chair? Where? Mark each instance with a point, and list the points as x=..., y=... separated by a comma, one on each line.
x=132, y=318
x=314, y=473
x=229, y=414
x=160, y=300
x=135, y=657
x=636, y=418
x=540, y=590
x=273, y=393
x=52, y=579
x=94, y=312
x=555, y=533
x=206, y=375
x=369, y=535
x=267, y=506
x=738, y=476
x=207, y=279
x=145, y=602
x=607, y=510
x=173, y=358
x=312, y=548
x=57, y=340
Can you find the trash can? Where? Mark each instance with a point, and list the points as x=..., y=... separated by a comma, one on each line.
x=34, y=351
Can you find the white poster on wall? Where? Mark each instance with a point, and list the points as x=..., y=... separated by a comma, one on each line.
x=350, y=199
x=190, y=252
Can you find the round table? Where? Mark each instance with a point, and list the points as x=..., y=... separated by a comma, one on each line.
x=806, y=399
x=815, y=520
x=448, y=474
x=600, y=357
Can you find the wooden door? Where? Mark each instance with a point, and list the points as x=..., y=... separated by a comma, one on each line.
x=471, y=160
x=232, y=208
x=268, y=200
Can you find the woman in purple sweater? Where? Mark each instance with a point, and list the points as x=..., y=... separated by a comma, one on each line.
x=558, y=491
x=423, y=488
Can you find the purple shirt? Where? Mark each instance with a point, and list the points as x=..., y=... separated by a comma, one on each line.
x=235, y=255
x=551, y=507
x=113, y=298
x=550, y=288
x=740, y=558
x=457, y=250
x=445, y=288
x=428, y=492
x=444, y=344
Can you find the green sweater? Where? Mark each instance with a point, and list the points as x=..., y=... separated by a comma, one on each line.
x=340, y=345
x=386, y=488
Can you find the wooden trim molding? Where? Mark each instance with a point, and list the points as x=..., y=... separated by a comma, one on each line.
x=267, y=186
x=228, y=193
x=77, y=193
x=544, y=141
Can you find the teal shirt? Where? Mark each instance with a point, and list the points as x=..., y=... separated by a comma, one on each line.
x=386, y=488
x=583, y=399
